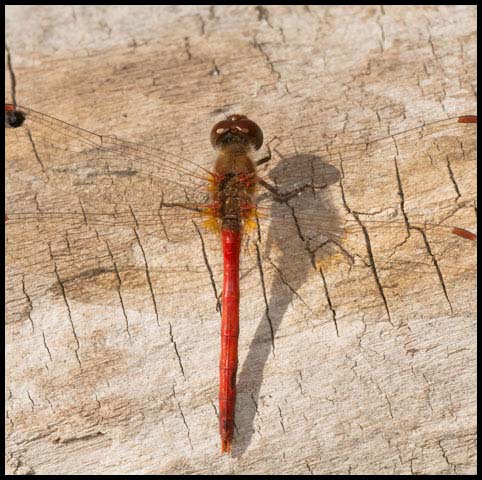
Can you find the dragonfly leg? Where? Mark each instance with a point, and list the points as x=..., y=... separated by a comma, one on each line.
x=284, y=197
x=265, y=159
x=278, y=196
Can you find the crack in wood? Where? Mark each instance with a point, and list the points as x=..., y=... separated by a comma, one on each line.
x=119, y=294
x=260, y=268
x=69, y=311
x=208, y=266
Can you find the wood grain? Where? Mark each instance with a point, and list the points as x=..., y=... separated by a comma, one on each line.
x=334, y=376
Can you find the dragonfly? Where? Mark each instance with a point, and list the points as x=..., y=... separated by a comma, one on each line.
x=82, y=200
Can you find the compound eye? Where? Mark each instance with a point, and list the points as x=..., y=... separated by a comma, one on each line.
x=238, y=125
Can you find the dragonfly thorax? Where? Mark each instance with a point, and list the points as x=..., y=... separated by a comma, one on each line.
x=233, y=196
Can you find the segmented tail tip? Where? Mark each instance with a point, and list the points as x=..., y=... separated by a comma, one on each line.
x=225, y=446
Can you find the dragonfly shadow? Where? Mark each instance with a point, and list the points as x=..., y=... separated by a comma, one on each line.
x=298, y=237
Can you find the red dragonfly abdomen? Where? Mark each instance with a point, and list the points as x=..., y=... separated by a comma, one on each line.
x=228, y=365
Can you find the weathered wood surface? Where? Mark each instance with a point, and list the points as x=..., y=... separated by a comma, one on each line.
x=373, y=395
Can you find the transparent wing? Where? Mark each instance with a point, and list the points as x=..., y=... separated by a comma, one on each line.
x=104, y=218
x=376, y=219
x=99, y=169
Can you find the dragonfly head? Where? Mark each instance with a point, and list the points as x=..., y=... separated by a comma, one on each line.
x=237, y=132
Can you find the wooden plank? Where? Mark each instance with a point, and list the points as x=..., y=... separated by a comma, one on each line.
x=340, y=372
